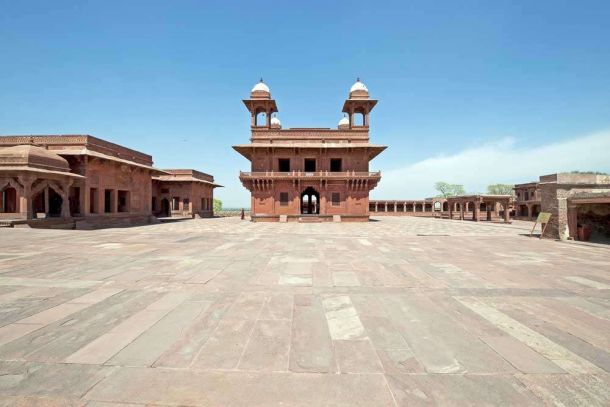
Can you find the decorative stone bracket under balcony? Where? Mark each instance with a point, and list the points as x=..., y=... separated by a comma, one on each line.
x=355, y=180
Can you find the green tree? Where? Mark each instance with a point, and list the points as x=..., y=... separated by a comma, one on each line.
x=500, y=189
x=447, y=190
x=217, y=205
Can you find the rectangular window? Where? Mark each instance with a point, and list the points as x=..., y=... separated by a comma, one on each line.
x=283, y=198
x=284, y=165
x=335, y=165
x=310, y=165
x=108, y=200
x=93, y=200
x=185, y=203
x=123, y=201
x=335, y=199
x=175, y=203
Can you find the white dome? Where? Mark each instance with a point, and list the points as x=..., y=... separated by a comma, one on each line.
x=275, y=121
x=344, y=121
x=261, y=86
x=358, y=86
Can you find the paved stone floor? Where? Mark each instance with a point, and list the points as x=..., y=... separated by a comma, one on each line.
x=222, y=312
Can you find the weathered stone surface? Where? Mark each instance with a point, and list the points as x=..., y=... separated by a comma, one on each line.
x=311, y=349
x=480, y=316
x=171, y=387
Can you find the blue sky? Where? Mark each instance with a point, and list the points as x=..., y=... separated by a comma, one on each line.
x=524, y=82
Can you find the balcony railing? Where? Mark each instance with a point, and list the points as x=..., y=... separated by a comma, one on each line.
x=313, y=174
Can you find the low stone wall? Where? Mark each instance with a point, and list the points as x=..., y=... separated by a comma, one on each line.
x=230, y=212
x=419, y=214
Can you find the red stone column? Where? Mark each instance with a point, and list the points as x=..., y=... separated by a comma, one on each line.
x=506, y=212
x=25, y=200
x=46, y=200
x=573, y=221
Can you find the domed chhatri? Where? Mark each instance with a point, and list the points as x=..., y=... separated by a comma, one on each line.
x=344, y=122
x=33, y=157
x=260, y=91
x=275, y=122
x=358, y=90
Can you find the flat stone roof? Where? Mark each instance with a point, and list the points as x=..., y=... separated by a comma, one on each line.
x=60, y=142
x=186, y=175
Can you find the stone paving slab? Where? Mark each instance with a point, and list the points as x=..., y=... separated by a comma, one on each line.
x=209, y=312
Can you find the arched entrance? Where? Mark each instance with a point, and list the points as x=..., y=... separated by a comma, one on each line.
x=445, y=207
x=55, y=202
x=310, y=202
x=165, y=207
x=8, y=200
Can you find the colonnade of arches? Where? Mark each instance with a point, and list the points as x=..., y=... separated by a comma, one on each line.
x=418, y=207
x=40, y=197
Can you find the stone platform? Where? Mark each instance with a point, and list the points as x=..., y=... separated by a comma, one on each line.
x=223, y=312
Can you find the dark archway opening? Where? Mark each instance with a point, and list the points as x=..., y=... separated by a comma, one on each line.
x=165, y=207
x=535, y=211
x=55, y=202
x=8, y=200
x=310, y=202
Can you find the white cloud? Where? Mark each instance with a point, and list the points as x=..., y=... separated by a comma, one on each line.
x=499, y=162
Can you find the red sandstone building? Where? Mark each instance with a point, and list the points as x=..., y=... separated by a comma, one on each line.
x=300, y=174
x=183, y=193
x=80, y=181
x=527, y=200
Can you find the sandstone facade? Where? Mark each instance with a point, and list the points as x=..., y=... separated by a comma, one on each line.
x=309, y=173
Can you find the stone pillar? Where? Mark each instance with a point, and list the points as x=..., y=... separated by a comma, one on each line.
x=395, y=207
x=404, y=206
x=506, y=212
x=376, y=206
x=386, y=207
x=450, y=210
x=25, y=200
x=488, y=210
x=85, y=203
x=413, y=207
x=65, y=199
x=476, y=211
x=573, y=221
x=46, y=200
x=114, y=201
x=461, y=211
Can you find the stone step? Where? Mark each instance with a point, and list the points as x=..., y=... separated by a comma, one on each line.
x=310, y=219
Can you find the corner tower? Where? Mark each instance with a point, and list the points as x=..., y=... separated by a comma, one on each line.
x=358, y=105
x=260, y=105
x=309, y=174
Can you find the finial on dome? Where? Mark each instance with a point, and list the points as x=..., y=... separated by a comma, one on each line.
x=260, y=90
x=358, y=90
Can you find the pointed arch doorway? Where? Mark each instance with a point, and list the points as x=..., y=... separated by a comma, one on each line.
x=310, y=202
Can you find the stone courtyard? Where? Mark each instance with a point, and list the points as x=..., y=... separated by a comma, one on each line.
x=223, y=312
